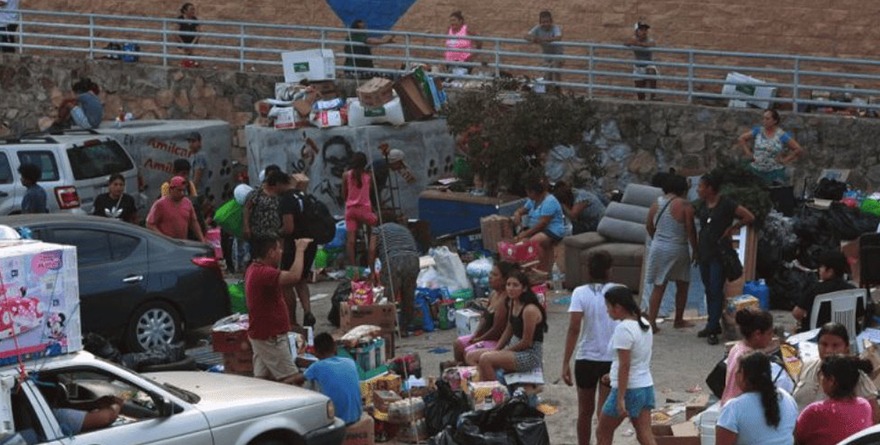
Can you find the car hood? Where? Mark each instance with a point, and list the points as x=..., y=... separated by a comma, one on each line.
x=228, y=398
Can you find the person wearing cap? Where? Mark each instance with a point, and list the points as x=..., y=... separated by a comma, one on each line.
x=643, y=68
x=181, y=167
x=174, y=215
x=381, y=169
x=199, y=160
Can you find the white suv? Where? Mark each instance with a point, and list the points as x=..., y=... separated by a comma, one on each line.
x=191, y=407
x=75, y=168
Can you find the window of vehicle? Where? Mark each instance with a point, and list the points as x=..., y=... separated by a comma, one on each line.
x=98, y=158
x=27, y=424
x=44, y=159
x=5, y=170
x=92, y=246
x=122, y=245
x=77, y=393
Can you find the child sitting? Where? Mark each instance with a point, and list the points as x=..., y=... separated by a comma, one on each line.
x=337, y=378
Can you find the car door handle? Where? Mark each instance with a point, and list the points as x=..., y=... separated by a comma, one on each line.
x=133, y=279
x=3, y=194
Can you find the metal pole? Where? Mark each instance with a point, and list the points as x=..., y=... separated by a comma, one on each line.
x=590, y=67
x=406, y=51
x=796, y=82
x=497, y=58
x=690, y=77
x=92, y=37
x=241, y=42
x=164, y=42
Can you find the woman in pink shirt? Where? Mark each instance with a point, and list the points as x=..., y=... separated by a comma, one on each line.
x=457, y=44
x=756, y=328
x=358, y=209
x=842, y=414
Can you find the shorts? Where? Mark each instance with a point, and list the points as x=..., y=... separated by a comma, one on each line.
x=289, y=255
x=272, y=358
x=645, y=71
x=636, y=400
x=79, y=117
x=528, y=359
x=485, y=344
x=359, y=215
x=556, y=238
x=588, y=373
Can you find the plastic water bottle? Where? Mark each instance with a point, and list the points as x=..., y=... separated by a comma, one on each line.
x=556, y=278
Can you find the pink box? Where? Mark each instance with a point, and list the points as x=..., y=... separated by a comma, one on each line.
x=521, y=252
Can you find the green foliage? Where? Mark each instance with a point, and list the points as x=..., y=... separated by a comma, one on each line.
x=746, y=188
x=502, y=133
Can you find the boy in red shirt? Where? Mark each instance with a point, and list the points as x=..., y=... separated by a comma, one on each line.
x=267, y=309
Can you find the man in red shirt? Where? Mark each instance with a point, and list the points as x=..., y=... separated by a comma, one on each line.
x=267, y=309
x=173, y=215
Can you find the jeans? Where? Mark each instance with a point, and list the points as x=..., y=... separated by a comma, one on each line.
x=713, y=281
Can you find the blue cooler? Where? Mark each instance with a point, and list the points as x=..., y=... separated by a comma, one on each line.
x=759, y=290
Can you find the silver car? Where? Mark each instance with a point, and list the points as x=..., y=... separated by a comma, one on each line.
x=196, y=408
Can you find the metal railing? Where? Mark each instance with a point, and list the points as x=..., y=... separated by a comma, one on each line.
x=595, y=70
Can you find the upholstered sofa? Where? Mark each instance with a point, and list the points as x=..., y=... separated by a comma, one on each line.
x=621, y=232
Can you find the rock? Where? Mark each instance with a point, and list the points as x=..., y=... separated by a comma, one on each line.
x=642, y=163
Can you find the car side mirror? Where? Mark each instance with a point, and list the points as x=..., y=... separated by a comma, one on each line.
x=165, y=406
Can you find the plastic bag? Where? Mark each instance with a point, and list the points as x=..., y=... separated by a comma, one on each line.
x=428, y=278
x=479, y=268
x=342, y=292
x=230, y=217
x=512, y=422
x=850, y=223
x=445, y=437
x=443, y=407
x=450, y=270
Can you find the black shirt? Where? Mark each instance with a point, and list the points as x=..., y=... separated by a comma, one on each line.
x=188, y=30
x=806, y=302
x=357, y=46
x=713, y=223
x=122, y=208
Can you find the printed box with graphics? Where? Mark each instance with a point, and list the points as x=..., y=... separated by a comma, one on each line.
x=39, y=301
x=311, y=64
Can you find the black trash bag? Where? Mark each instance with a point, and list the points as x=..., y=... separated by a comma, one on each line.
x=445, y=437
x=101, y=347
x=849, y=223
x=160, y=355
x=830, y=189
x=342, y=292
x=513, y=422
x=443, y=407
x=788, y=285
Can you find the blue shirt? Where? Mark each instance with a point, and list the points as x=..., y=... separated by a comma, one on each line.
x=549, y=206
x=92, y=108
x=338, y=378
x=34, y=200
x=744, y=415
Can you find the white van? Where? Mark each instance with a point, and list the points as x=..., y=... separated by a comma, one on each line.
x=75, y=169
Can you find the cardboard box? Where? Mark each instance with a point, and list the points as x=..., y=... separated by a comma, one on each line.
x=39, y=308
x=360, y=432
x=415, y=105
x=495, y=228
x=696, y=405
x=684, y=433
x=383, y=398
x=311, y=64
x=303, y=106
x=459, y=377
x=300, y=182
x=230, y=341
x=384, y=382
x=329, y=118
x=287, y=118
x=375, y=92
x=466, y=321
x=406, y=410
x=382, y=315
x=486, y=395
x=240, y=363
x=327, y=88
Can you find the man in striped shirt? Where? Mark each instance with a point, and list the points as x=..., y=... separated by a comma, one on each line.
x=395, y=246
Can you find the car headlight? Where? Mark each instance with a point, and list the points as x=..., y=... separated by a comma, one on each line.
x=331, y=410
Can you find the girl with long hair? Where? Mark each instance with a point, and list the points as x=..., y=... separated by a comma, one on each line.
x=756, y=328
x=632, y=387
x=762, y=414
x=843, y=413
x=469, y=348
x=520, y=348
x=356, y=194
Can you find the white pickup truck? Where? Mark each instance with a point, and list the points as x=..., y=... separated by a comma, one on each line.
x=195, y=408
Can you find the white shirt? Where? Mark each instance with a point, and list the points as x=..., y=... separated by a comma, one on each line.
x=8, y=12
x=596, y=327
x=630, y=336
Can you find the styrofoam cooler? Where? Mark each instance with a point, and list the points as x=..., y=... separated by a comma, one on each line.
x=706, y=423
x=390, y=113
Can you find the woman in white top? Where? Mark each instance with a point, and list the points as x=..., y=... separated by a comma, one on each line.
x=632, y=387
x=762, y=414
x=593, y=358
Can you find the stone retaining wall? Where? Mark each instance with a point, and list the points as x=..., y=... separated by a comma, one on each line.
x=636, y=139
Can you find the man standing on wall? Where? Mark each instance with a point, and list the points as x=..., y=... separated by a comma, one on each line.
x=644, y=69
x=9, y=18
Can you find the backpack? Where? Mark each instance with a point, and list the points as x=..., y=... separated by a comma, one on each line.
x=319, y=223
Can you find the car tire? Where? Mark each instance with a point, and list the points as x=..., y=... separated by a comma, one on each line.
x=152, y=323
x=268, y=442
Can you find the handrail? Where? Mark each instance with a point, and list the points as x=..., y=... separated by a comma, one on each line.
x=593, y=69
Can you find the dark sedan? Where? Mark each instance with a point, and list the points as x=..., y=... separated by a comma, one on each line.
x=136, y=286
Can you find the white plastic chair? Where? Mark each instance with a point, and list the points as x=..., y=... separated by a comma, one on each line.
x=844, y=304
